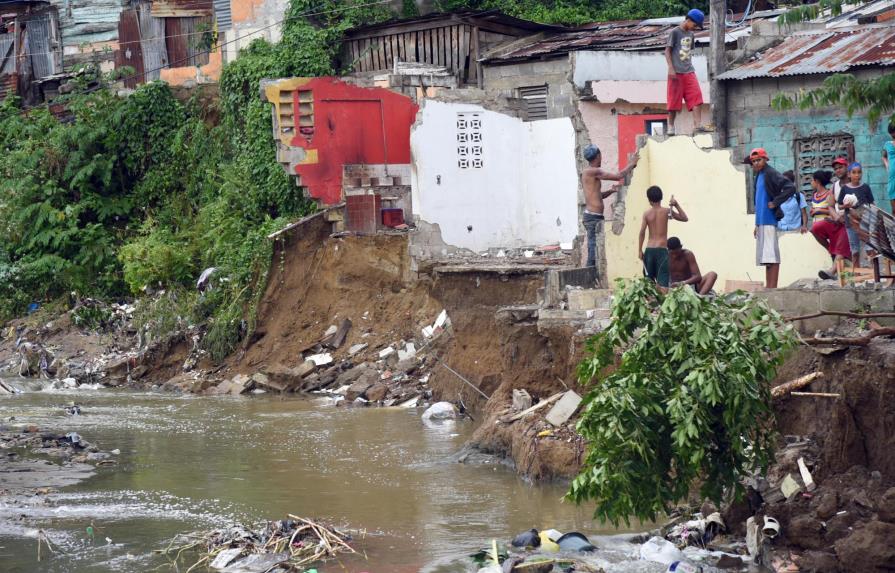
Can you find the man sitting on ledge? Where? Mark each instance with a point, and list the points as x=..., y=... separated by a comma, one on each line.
x=685, y=271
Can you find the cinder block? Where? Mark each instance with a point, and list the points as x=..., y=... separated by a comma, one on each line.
x=585, y=299
x=791, y=302
x=842, y=300
x=877, y=301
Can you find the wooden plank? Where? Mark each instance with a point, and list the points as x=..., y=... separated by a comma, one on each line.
x=399, y=43
x=396, y=54
x=412, y=43
x=424, y=43
x=455, y=48
x=368, y=56
x=386, y=53
x=405, y=29
x=474, y=65
x=463, y=67
x=439, y=46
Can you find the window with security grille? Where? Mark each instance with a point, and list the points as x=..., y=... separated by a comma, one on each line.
x=818, y=152
x=534, y=102
x=470, y=151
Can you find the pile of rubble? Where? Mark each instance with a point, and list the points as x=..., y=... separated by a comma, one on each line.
x=392, y=375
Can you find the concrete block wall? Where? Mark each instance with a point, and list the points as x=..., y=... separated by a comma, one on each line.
x=798, y=301
x=561, y=98
x=753, y=123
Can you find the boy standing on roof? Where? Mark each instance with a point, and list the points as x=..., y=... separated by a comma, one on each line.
x=682, y=82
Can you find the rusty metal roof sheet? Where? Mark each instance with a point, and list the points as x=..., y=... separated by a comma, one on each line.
x=821, y=53
x=624, y=35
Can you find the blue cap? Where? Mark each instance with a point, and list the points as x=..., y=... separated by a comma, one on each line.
x=697, y=16
x=590, y=152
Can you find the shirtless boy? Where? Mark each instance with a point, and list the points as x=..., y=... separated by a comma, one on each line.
x=684, y=269
x=655, y=258
x=592, y=180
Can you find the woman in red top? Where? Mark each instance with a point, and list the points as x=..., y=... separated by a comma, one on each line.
x=827, y=227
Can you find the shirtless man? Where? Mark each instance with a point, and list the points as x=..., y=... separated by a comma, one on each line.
x=591, y=179
x=685, y=271
x=655, y=258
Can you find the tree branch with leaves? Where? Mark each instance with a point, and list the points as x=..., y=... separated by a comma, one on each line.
x=680, y=397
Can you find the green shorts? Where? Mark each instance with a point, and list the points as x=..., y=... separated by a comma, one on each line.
x=655, y=264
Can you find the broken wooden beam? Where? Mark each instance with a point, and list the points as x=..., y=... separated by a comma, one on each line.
x=851, y=341
x=784, y=389
x=816, y=394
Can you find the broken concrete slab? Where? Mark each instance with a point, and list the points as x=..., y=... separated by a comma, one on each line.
x=587, y=299
x=322, y=359
x=409, y=351
x=386, y=352
x=789, y=487
x=282, y=378
x=564, y=409
x=357, y=348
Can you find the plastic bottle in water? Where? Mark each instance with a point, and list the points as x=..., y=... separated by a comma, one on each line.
x=683, y=567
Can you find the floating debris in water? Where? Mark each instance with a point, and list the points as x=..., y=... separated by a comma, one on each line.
x=282, y=545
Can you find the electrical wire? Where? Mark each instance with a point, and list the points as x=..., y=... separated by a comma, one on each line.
x=746, y=14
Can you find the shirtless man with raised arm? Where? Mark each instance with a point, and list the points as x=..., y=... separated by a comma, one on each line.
x=592, y=180
x=655, y=257
x=684, y=269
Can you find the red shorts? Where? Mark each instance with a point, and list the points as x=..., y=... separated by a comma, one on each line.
x=683, y=87
x=834, y=236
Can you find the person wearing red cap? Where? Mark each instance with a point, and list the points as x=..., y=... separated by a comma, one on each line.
x=682, y=82
x=771, y=190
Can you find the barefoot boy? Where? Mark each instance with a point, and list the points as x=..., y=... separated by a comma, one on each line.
x=655, y=257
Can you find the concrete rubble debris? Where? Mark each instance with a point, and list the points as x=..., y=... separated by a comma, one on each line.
x=322, y=359
x=330, y=331
x=386, y=352
x=807, y=479
x=409, y=351
x=789, y=486
x=521, y=400
x=357, y=348
x=564, y=409
x=337, y=339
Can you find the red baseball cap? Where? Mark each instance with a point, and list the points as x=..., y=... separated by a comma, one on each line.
x=840, y=161
x=759, y=151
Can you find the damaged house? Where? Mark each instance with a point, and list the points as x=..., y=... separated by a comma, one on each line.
x=30, y=49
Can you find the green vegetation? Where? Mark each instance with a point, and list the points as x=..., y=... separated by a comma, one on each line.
x=575, y=12
x=686, y=404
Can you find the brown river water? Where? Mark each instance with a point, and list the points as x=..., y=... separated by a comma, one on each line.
x=189, y=463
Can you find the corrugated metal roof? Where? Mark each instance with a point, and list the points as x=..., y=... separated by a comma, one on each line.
x=627, y=35
x=821, y=53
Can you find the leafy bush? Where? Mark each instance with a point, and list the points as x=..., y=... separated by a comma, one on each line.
x=687, y=403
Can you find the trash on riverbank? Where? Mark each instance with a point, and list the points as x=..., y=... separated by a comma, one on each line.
x=283, y=545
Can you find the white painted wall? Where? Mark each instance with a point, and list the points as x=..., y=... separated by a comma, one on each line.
x=525, y=194
x=628, y=67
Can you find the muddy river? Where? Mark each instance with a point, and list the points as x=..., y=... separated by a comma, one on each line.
x=189, y=463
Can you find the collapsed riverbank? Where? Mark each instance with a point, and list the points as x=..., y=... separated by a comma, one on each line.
x=487, y=345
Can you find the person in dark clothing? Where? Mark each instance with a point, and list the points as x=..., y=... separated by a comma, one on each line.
x=863, y=195
x=771, y=190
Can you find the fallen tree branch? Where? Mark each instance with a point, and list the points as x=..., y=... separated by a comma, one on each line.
x=839, y=313
x=851, y=341
x=816, y=394
x=784, y=389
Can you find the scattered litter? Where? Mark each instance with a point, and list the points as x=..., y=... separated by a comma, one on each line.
x=442, y=320
x=331, y=330
x=387, y=351
x=521, y=400
x=294, y=541
x=409, y=351
x=440, y=411
x=428, y=331
x=660, y=551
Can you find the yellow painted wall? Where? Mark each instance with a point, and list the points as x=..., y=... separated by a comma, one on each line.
x=712, y=191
